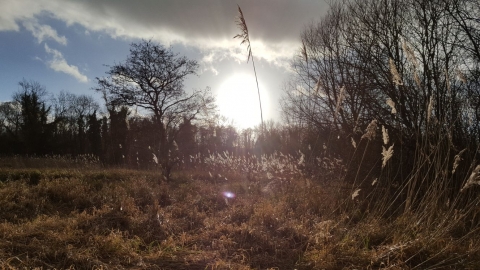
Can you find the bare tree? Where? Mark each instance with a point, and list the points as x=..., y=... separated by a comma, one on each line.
x=411, y=65
x=152, y=78
x=327, y=91
x=365, y=53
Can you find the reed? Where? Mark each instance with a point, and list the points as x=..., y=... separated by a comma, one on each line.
x=245, y=38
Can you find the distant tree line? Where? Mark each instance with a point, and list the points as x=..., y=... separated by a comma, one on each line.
x=147, y=118
x=34, y=123
x=410, y=66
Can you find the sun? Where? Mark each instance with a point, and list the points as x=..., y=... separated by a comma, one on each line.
x=237, y=99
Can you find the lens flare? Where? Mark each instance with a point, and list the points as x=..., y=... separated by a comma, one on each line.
x=228, y=194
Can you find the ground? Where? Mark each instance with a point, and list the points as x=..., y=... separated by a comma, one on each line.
x=89, y=217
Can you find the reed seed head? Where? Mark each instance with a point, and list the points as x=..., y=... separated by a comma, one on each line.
x=371, y=131
x=340, y=98
x=386, y=155
x=242, y=25
x=457, y=160
x=474, y=179
x=397, y=80
x=430, y=108
x=391, y=104
x=356, y=193
x=410, y=54
x=385, y=135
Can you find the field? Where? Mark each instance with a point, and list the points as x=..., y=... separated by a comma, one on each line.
x=374, y=165
x=82, y=216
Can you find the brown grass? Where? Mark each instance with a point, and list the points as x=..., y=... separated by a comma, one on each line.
x=116, y=218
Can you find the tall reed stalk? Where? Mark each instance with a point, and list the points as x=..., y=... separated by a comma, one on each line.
x=240, y=20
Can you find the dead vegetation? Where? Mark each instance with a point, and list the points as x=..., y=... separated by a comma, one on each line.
x=116, y=218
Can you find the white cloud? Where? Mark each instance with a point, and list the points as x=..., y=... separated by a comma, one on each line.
x=209, y=67
x=58, y=63
x=43, y=32
x=11, y=12
x=209, y=25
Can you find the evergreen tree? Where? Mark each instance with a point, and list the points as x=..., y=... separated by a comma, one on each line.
x=94, y=134
x=186, y=140
x=118, y=136
x=34, y=129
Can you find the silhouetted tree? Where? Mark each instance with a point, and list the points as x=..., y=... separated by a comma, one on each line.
x=10, y=123
x=94, y=134
x=186, y=140
x=117, y=137
x=152, y=78
x=105, y=139
x=34, y=130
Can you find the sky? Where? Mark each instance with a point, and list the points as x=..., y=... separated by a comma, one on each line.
x=66, y=44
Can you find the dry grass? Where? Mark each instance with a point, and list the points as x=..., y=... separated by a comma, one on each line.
x=115, y=218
